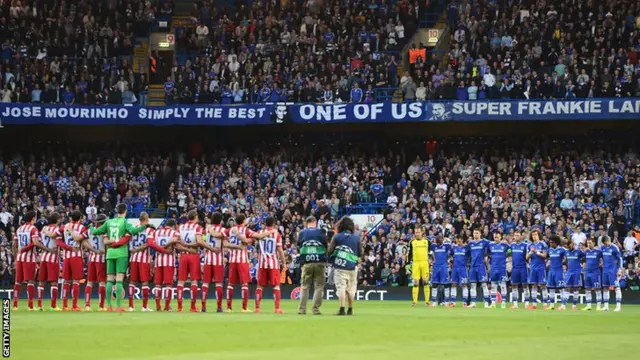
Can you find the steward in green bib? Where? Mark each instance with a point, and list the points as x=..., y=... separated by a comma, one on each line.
x=117, y=255
x=345, y=249
x=312, y=243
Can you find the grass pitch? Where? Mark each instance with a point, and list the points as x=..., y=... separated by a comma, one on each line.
x=378, y=330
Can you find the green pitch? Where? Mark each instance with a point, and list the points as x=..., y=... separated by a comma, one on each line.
x=379, y=330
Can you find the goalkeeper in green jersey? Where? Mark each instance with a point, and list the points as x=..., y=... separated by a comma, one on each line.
x=118, y=231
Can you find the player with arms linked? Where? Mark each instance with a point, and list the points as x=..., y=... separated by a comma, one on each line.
x=117, y=257
x=213, y=261
x=519, y=273
x=498, y=252
x=572, y=281
x=537, y=256
x=140, y=262
x=75, y=238
x=271, y=259
x=238, y=237
x=312, y=243
x=50, y=261
x=592, y=275
x=612, y=270
x=440, y=274
x=189, y=262
x=25, y=243
x=97, y=269
x=166, y=238
x=557, y=255
x=478, y=270
x=459, y=272
x=419, y=257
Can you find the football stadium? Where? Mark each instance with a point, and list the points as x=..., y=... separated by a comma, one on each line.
x=318, y=179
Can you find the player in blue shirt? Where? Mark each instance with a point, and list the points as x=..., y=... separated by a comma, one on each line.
x=537, y=261
x=440, y=271
x=557, y=255
x=498, y=276
x=459, y=273
x=519, y=275
x=572, y=281
x=478, y=268
x=592, y=274
x=611, y=272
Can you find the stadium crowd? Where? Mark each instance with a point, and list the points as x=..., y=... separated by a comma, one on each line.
x=71, y=53
x=320, y=51
x=579, y=188
x=534, y=50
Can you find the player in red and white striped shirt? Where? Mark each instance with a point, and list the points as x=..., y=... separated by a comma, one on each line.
x=49, y=270
x=139, y=262
x=238, y=236
x=214, y=260
x=97, y=268
x=24, y=249
x=269, y=265
x=189, y=263
x=165, y=263
x=74, y=235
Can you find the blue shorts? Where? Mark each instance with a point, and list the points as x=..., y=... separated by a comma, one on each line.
x=537, y=276
x=519, y=276
x=610, y=278
x=592, y=280
x=572, y=279
x=555, y=279
x=498, y=275
x=478, y=274
x=459, y=276
x=440, y=275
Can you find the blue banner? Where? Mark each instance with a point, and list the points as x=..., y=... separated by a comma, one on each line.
x=233, y=115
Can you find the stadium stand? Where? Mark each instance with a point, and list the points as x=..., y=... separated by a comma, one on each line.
x=330, y=51
x=567, y=185
x=320, y=51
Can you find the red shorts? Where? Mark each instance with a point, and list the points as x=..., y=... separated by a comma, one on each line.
x=49, y=271
x=25, y=271
x=72, y=269
x=213, y=272
x=97, y=272
x=140, y=272
x=239, y=273
x=268, y=277
x=189, y=264
x=163, y=275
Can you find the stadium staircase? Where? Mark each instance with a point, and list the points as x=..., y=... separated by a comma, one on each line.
x=141, y=57
x=156, y=92
x=156, y=95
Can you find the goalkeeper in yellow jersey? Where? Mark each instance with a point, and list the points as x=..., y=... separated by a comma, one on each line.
x=419, y=258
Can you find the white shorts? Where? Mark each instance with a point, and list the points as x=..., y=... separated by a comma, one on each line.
x=346, y=280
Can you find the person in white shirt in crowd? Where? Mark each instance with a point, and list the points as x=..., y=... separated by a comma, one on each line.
x=202, y=33
x=578, y=237
x=631, y=246
x=392, y=200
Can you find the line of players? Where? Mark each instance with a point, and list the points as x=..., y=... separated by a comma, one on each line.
x=534, y=264
x=38, y=259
